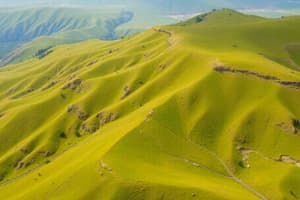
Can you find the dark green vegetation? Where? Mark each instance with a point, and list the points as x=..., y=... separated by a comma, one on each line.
x=203, y=109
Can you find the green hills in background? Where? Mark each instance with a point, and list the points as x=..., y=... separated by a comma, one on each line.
x=43, y=24
x=25, y=31
x=207, y=108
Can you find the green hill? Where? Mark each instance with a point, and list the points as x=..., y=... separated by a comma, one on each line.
x=203, y=109
x=25, y=31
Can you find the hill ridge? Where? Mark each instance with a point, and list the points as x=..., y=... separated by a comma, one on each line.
x=151, y=116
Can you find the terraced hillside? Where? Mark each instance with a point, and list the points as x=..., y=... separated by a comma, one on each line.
x=204, y=109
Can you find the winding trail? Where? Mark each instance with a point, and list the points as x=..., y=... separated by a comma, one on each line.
x=168, y=33
x=289, y=84
x=282, y=158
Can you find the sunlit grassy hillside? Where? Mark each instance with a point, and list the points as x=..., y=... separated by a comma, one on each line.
x=204, y=109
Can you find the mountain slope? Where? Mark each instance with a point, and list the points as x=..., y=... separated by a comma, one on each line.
x=57, y=25
x=204, y=109
x=64, y=22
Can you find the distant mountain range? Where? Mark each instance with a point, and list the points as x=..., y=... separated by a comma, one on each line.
x=53, y=26
x=43, y=23
x=166, y=5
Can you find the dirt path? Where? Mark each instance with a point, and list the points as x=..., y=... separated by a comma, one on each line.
x=282, y=158
x=193, y=163
x=168, y=33
x=228, y=170
x=240, y=181
x=290, y=84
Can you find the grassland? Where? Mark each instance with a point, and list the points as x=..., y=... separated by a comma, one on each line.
x=204, y=109
x=25, y=31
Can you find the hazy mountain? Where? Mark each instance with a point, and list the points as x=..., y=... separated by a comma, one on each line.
x=18, y=27
x=166, y=5
x=56, y=25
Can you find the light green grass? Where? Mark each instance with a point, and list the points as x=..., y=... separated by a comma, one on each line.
x=177, y=131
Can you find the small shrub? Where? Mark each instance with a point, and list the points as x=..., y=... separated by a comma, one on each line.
x=296, y=123
x=2, y=176
x=63, y=135
x=47, y=161
x=43, y=52
x=199, y=19
x=63, y=96
x=242, y=164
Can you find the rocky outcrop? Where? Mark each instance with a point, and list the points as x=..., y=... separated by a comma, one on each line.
x=290, y=84
x=126, y=92
x=91, y=63
x=75, y=110
x=103, y=118
x=73, y=85
x=2, y=114
x=162, y=66
x=23, y=93
x=289, y=160
x=287, y=128
x=223, y=69
x=282, y=158
x=149, y=115
x=106, y=117
x=50, y=85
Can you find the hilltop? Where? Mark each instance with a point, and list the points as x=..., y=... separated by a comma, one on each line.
x=202, y=109
x=27, y=27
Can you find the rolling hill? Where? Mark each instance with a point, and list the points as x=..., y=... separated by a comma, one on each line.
x=25, y=31
x=42, y=24
x=203, y=109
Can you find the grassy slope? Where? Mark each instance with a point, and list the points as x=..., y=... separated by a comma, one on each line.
x=99, y=22
x=177, y=129
x=25, y=31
